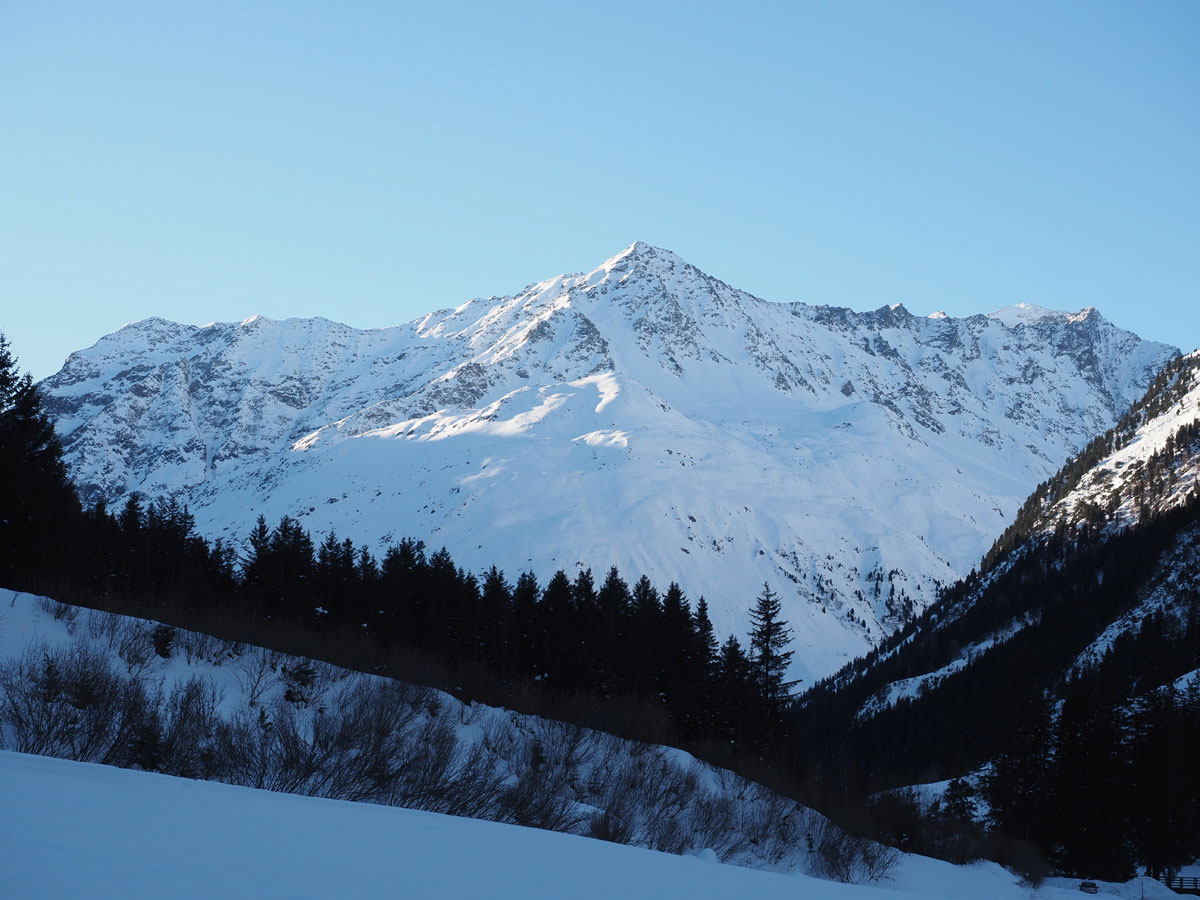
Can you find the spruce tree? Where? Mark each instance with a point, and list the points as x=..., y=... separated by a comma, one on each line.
x=529, y=628
x=611, y=638
x=675, y=650
x=494, y=619
x=769, y=656
x=734, y=679
x=38, y=506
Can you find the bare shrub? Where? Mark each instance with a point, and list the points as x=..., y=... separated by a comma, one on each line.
x=100, y=625
x=308, y=681
x=771, y=825
x=257, y=671
x=364, y=746
x=60, y=612
x=470, y=713
x=841, y=856
x=190, y=718
x=648, y=800
x=475, y=785
x=243, y=748
x=439, y=775
x=563, y=745
x=376, y=742
x=500, y=738
x=133, y=641
x=543, y=792
x=612, y=825
x=542, y=798
x=713, y=824
x=200, y=647
x=67, y=703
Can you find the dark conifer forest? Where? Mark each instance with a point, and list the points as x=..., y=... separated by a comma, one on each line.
x=1090, y=765
x=1081, y=769
x=623, y=655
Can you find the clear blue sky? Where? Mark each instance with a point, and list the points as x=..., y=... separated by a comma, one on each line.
x=369, y=162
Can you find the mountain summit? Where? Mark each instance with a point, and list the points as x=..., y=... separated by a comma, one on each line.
x=643, y=414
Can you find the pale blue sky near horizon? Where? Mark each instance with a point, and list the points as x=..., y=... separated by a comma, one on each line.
x=370, y=162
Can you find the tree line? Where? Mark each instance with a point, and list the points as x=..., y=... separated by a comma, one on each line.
x=1091, y=750
x=612, y=642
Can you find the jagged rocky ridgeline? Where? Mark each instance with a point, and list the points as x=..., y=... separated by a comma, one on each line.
x=643, y=414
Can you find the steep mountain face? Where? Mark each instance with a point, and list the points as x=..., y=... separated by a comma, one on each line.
x=643, y=414
x=1144, y=466
x=1093, y=592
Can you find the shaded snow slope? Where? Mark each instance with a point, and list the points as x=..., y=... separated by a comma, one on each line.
x=92, y=686
x=82, y=830
x=71, y=679
x=643, y=414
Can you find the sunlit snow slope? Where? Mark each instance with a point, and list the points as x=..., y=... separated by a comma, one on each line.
x=642, y=414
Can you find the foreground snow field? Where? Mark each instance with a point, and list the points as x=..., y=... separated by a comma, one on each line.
x=81, y=830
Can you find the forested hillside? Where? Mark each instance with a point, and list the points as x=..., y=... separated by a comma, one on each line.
x=1063, y=676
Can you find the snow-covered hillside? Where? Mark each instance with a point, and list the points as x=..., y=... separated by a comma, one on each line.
x=1154, y=461
x=92, y=686
x=1146, y=468
x=643, y=414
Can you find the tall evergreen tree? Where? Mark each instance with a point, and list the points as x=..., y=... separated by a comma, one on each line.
x=733, y=684
x=561, y=631
x=39, y=510
x=769, y=656
x=611, y=637
x=1020, y=790
x=494, y=621
x=706, y=639
x=1093, y=818
x=529, y=632
x=675, y=649
x=644, y=645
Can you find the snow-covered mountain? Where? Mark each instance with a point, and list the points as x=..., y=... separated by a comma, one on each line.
x=1094, y=587
x=643, y=414
x=1147, y=464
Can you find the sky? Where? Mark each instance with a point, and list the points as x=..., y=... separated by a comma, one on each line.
x=370, y=162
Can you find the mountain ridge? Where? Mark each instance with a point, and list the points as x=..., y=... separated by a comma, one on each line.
x=1069, y=663
x=643, y=414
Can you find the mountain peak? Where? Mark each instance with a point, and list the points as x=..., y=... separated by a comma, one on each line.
x=639, y=252
x=665, y=422
x=1087, y=314
x=150, y=323
x=1032, y=314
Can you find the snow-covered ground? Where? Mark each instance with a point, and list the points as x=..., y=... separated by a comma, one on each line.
x=82, y=830
x=240, y=715
x=72, y=829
